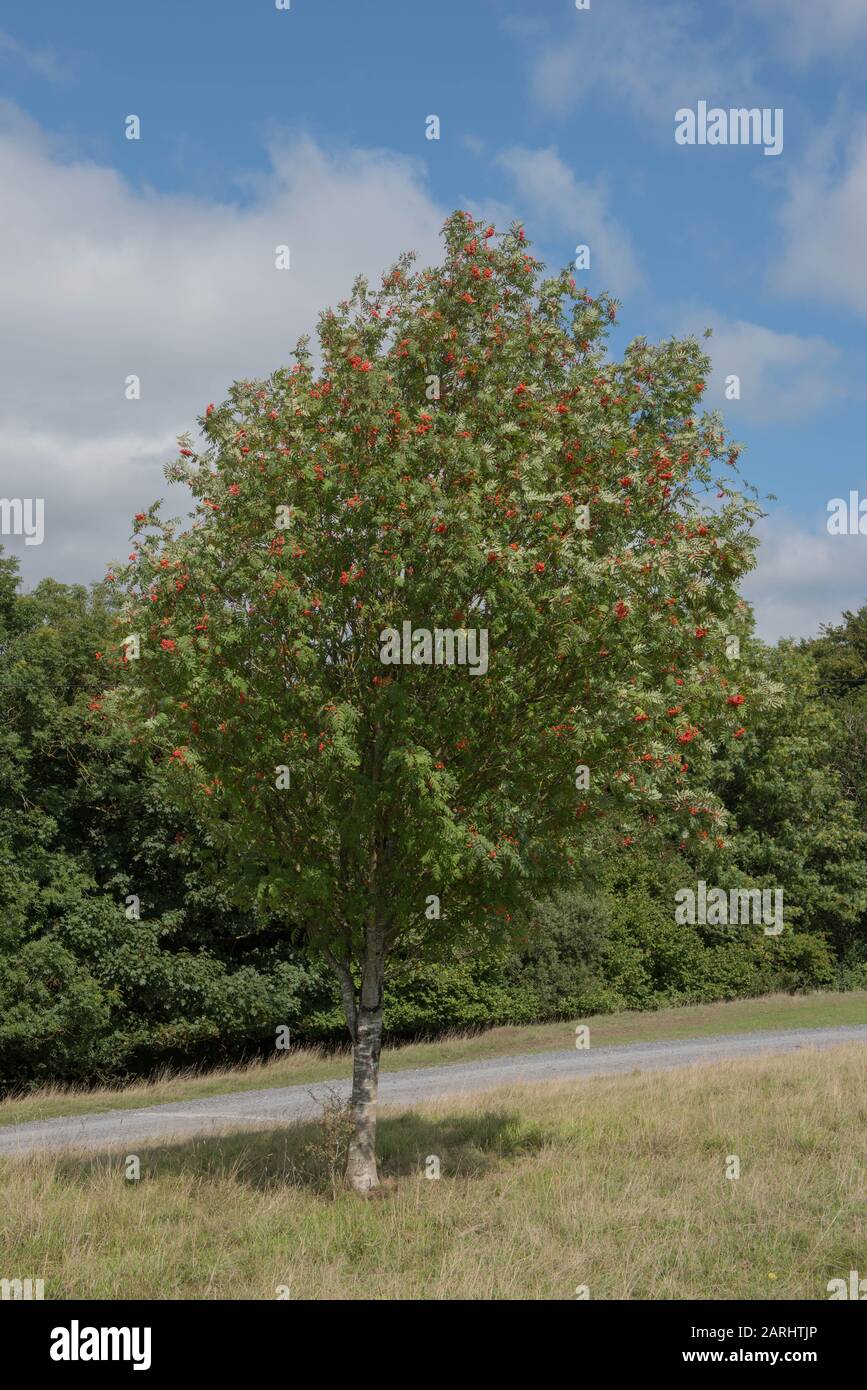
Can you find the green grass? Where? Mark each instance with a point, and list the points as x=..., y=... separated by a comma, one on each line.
x=617, y=1183
x=738, y=1016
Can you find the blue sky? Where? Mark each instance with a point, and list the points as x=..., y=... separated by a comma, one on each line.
x=307, y=126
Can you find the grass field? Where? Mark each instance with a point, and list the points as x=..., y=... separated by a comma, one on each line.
x=772, y=1012
x=617, y=1183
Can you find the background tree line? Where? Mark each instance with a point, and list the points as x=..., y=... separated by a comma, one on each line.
x=88, y=993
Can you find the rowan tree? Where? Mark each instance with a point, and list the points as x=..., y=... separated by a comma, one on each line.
x=461, y=454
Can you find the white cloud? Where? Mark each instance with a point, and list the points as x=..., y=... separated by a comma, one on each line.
x=653, y=58
x=782, y=376
x=823, y=223
x=474, y=145
x=553, y=199
x=650, y=58
x=103, y=281
x=40, y=61
x=804, y=30
x=804, y=578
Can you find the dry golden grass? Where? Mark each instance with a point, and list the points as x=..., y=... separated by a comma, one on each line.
x=773, y=1011
x=617, y=1183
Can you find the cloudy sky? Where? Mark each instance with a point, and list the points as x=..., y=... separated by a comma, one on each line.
x=306, y=126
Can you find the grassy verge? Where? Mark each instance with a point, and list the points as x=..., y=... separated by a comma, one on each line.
x=618, y=1184
x=738, y=1016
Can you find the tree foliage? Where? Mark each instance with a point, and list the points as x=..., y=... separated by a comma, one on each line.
x=555, y=499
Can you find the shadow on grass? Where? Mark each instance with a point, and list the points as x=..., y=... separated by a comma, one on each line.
x=312, y=1156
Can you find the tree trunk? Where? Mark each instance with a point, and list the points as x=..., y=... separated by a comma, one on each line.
x=361, y=1174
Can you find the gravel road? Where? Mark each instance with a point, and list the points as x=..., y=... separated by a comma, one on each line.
x=284, y=1104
